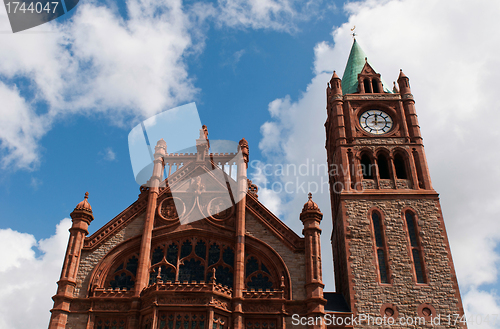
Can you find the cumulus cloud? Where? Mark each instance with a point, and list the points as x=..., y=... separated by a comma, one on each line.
x=126, y=68
x=452, y=68
x=108, y=154
x=279, y=15
x=96, y=62
x=20, y=128
x=28, y=281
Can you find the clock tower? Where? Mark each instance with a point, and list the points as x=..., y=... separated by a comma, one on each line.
x=391, y=252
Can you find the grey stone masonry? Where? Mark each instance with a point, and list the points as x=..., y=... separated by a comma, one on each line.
x=403, y=292
x=295, y=262
x=90, y=259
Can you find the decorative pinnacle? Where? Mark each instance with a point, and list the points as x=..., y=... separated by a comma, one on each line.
x=353, y=33
x=86, y=195
x=310, y=205
x=213, y=276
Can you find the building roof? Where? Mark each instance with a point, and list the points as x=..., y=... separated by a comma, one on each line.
x=354, y=66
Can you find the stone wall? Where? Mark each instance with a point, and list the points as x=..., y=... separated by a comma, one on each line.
x=295, y=262
x=89, y=259
x=77, y=321
x=402, y=292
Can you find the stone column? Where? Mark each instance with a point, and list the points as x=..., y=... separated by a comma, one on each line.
x=239, y=264
x=311, y=217
x=145, y=251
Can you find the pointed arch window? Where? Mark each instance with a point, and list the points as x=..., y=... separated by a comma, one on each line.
x=192, y=260
x=383, y=167
x=258, y=276
x=123, y=277
x=415, y=247
x=418, y=166
x=400, y=166
x=110, y=322
x=366, y=166
x=380, y=247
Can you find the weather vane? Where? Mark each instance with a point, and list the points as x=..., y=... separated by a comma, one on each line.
x=353, y=33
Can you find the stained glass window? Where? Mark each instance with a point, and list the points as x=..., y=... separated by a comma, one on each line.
x=186, y=249
x=157, y=256
x=110, y=323
x=172, y=254
x=257, y=275
x=228, y=257
x=191, y=270
x=213, y=254
x=201, y=249
x=124, y=275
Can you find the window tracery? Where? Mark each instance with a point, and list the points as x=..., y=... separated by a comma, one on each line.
x=193, y=260
x=110, y=323
x=123, y=276
x=185, y=320
x=257, y=275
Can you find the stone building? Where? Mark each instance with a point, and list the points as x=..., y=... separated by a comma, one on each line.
x=197, y=250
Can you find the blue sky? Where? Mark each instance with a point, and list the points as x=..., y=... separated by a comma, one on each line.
x=72, y=89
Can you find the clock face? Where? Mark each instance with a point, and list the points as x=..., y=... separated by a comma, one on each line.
x=376, y=122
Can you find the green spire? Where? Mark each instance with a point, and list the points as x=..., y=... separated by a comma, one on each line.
x=354, y=66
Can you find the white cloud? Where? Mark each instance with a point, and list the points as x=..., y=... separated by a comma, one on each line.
x=28, y=282
x=126, y=68
x=108, y=154
x=20, y=129
x=260, y=14
x=96, y=62
x=452, y=64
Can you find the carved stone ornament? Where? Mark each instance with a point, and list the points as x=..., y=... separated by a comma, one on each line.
x=182, y=301
x=110, y=306
x=170, y=208
x=219, y=303
x=220, y=208
x=261, y=308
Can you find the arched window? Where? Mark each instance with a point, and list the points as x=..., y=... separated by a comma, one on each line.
x=400, y=166
x=420, y=175
x=123, y=276
x=381, y=252
x=375, y=86
x=181, y=320
x=383, y=167
x=415, y=246
x=366, y=166
x=257, y=275
x=192, y=260
x=367, y=86
x=110, y=322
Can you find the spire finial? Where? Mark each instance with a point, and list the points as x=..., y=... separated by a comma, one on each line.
x=310, y=195
x=86, y=195
x=353, y=33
